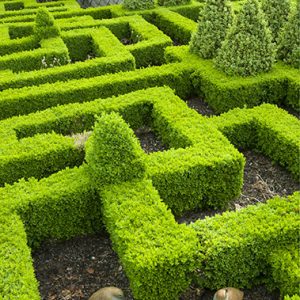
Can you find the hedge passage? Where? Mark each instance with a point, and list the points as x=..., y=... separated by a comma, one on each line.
x=64, y=71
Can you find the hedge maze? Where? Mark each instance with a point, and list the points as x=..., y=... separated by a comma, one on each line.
x=110, y=70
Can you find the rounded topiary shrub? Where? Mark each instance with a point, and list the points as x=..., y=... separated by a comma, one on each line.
x=214, y=20
x=44, y=27
x=138, y=4
x=289, y=41
x=248, y=48
x=113, y=153
x=173, y=2
x=276, y=14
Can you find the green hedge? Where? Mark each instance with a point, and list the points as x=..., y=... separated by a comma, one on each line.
x=30, y=9
x=51, y=50
x=157, y=254
x=189, y=11
x=267, y=129
x=148, y=49
x=17, y=280
x=113, y=58
x=12, y=46
x=285, y=265
x=60, y=206
x=38, y=156
x=113, y=153
x=222, y=93
x=177, y=173
x=17, y=31
x=295, y=297
x=207, y=157
x=148, y=43
x=174, y=25
x=29, y=99
x=237, y=254
x=173, y=2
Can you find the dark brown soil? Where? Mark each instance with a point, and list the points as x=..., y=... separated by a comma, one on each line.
x=200, y=106
x=76, y=268
x=149, y=141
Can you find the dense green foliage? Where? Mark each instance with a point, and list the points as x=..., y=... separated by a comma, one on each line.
x=247, y=49
x=223, y=92
x=289, y=45
x=138, y=4
x=276, y=13
x=113, y=153
x=255, y=128
x=176, y=26
x=52, y=52
x=17, y=280
x=295, y=297
x=60, y=206
x=152, y=247
x=285, y=264
x=237, y=254
x=214, y=20
x=20, y=101
x=56, y=81
x=173, y=2
x=45, y=27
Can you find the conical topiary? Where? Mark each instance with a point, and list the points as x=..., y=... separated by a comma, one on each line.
x=289, y=45
x=213, y=23
x=113, y=152
x=44, y=27
x=138, y=4
x=248, y=48
x=276, y=13
x=173, y=2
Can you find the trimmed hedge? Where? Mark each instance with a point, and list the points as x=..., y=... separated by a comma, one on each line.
x=295, y=297
x=138, y=4
x=174, y=25
x=113, y=152
x=247, y=49
x=17, y=280
x=61, y=206
x=45, y=27
x=37, y=156
x=29, y=99
x=115, y=58
x=148, y=43
x=222, y=92
x=30, y=9
x=52, y=49
x=207, y=152
x=23, y=44
x=157, y=254
x=285, y=265
x=237, y=254
x=265, y=128
x=173, y=2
